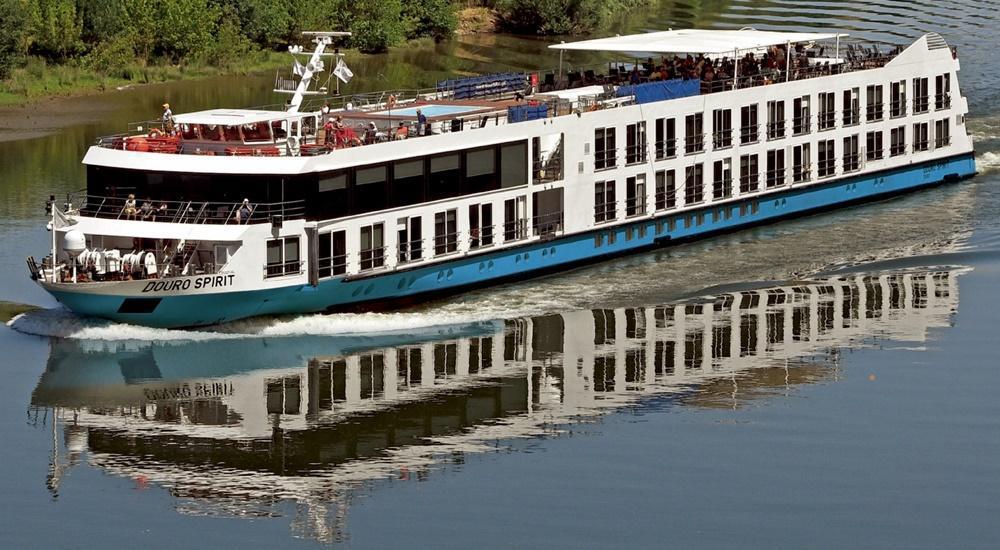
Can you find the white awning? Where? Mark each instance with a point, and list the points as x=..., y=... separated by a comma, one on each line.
x=695, y=41
x=157, y=230
x=234, y=117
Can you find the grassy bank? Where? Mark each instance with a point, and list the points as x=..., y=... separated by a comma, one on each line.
x=39, y=79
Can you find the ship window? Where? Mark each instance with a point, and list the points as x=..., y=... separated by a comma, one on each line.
x=408, y=182
x=372, y=252
x=446, y=177
x=514, y=165
x=210, y=132
x=331, y=258
x=694, y=191
x=370, y=189
x=480, y=170
x=232, y=133
x=333, y=196
x=445, y=232
x=283, y=257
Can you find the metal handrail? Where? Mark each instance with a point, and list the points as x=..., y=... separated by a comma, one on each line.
x=203, y=212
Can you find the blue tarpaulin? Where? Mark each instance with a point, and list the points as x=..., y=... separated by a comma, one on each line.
x=661, y=90
x=521, y=113
x=480, y=86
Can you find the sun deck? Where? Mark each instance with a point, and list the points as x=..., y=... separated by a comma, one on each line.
x=717, y=61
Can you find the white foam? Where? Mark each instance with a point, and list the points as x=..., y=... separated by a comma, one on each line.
x=988, y=161
x=62, y=323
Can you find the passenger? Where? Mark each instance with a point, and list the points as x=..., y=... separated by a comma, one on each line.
x=161, y=211
x=634, y=78
x=244, y=212
x=325, y=111
x=168, y=119
x=328, y=132
x=146, y=209
x=402, y=132
x=129, y=210
x=421, y=122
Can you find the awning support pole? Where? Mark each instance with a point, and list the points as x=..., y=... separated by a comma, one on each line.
x=736, y=68
x=561, y=61
x=788, y=60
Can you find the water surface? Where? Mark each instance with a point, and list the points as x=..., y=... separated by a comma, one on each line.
x=829, y=381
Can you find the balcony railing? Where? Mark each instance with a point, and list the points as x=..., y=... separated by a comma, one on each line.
x=203, y=212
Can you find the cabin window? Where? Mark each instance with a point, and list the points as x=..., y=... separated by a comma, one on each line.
x=775, y=167
x=897, y=103
x=283, y=257
x=874, y=110
x=331, y=259
x=851, y=156
x=210, y=132
x=827, y=118
x=446, y=176
x=921, y=139
x=852, y=107
x=604, y=148
x=189, y=131
x=897, y=141
x=333, y=196
x=775, y=119
x=694, y=134
x=604, y=201
x=514, y=165
x=748, y=124
x=921, y=97
x=666, y=138
x=801, y=121
x=515, y=217
x=873, y=145
x=942, y=133
x=547, y=158
x=694, y=191
x=371, y=251
x=942, y=91
x=445, y=232
x=408, y=182
x=635, y=195
x=370, y=189
x=480, y=225
x=410, y=238
x=635, y=143
x=666, y=190
x=749, y=174
x=480, y=170
x=801, y=169
x=722, y=179
x=722, y=128
x=825, y=155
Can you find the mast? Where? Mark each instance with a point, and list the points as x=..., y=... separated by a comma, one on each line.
x=322, y=39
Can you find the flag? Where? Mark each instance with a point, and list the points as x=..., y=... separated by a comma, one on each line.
x=299, y=69
x=342, y=72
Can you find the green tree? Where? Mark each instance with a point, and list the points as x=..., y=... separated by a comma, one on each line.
x=434, y=18
x=15, y=19
x=184, y=27
x=58, y=29
x=377, y=25
x=266, y=22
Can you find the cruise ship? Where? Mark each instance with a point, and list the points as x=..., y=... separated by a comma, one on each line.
x=310, y=419
x=380, y=200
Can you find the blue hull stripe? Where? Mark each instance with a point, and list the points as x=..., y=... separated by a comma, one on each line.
x=378, y=291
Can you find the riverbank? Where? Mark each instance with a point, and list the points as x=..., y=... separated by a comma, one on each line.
x=39, y=80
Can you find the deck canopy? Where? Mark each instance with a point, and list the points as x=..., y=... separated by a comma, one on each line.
x=695, y=41
x=234, y=117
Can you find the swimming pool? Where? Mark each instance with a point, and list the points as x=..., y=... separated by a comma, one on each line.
x=430, y=110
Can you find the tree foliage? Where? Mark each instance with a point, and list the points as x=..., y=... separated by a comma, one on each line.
x=559, y=16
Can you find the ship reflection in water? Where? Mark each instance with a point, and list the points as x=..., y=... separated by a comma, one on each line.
x=240, y=427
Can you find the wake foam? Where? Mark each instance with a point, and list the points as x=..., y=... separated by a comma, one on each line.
x=988, y=161
x=62, y=323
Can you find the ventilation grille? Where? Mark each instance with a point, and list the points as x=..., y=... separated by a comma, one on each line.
x=935, y=42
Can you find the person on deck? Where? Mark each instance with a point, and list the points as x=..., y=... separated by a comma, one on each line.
x=244, y=212
x=421, y=122
x=168, y=119
x=402, y=132
x=129, y=210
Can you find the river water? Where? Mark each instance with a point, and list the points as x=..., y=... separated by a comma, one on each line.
x=824, y=382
